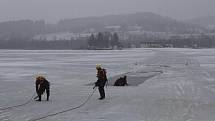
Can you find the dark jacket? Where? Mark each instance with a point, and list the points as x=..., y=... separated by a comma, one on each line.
x=122, y=81
x=41, y=86
x=102, y=78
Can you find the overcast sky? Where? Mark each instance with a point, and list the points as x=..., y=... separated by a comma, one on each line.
x=54, y=10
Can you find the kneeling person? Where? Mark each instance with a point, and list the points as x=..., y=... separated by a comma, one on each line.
x=122, y=81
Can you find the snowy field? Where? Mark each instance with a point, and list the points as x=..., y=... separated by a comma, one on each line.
x=166, y=84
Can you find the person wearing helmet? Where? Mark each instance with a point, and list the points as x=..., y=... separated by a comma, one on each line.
x=102, y=79
x=41, y=85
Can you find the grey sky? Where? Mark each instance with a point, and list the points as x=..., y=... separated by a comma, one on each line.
x=53, y=10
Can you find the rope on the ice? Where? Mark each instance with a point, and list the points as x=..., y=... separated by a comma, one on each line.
x=19, y=105
x=70, y=109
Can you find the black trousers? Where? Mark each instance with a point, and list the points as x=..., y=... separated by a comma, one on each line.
x=102, y=92
x=42, y=90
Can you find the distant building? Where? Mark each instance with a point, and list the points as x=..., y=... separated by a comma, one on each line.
x=62, y=36
x=113, y=28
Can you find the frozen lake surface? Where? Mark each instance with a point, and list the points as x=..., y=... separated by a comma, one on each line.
x=169, y=84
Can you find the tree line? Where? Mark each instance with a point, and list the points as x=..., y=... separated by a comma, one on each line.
x=107, y=40
x=44, y=44
x=103, y=40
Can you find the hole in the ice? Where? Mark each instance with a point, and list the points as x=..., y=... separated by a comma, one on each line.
x=133, y=78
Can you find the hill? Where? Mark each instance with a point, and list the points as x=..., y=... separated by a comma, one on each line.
x=26, y=29
x=144, y=21
x=208, y=21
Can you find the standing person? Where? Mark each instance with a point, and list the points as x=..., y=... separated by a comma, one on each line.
x=102, y=79
x=41, y=85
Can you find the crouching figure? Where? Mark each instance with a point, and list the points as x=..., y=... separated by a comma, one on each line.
x=122, y=81
x=42, y=85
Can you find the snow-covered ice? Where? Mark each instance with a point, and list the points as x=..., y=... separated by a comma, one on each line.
x=168, y=84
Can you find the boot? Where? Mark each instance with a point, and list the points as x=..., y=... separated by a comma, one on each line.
x=39, y=98
x=47, y=99
x=101, y=98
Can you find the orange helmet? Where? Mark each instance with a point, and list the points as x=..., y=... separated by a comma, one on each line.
x=40, y=77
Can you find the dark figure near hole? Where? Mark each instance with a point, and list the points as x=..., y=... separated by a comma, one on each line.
x=122, y=81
